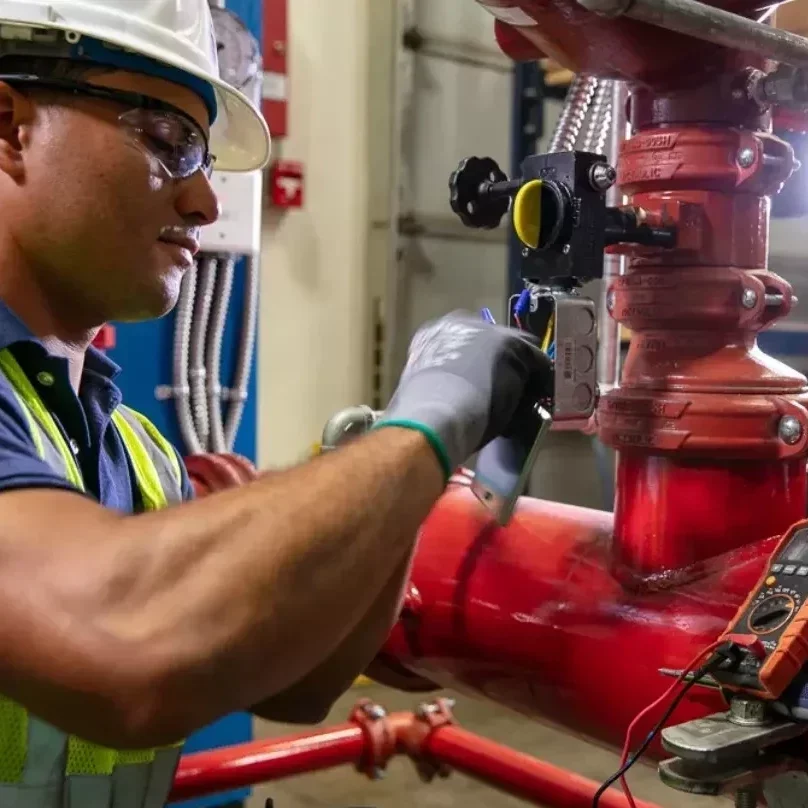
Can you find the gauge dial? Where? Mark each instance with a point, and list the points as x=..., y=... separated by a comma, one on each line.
x=771, y=613
x=239, y=52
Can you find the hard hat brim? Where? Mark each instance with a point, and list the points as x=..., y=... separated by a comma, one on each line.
x=240, y=137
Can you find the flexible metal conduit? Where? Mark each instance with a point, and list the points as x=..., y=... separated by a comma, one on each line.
x=599, y=119
x=576, y=104
x=182, y=342
x=241, y=378
x=205, y=287
x=218, y=320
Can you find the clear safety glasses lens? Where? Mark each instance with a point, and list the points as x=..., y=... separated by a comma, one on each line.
x=173, y=140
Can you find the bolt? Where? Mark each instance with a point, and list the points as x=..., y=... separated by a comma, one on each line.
x=425, y=709
x=566, y=249
x=789, y=430
x=748, y=712
x=746, y=157
x=525, y=252
x=602, y=176
x=749, y=298
x=611, y=299
x=376, y=711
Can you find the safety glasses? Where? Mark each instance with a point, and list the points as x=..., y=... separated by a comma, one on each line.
x=168, y=134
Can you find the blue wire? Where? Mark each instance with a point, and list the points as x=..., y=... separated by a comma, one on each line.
x=551, y=351
x=522, y=304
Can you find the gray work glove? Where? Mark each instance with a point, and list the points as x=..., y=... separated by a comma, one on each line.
x=464, y=383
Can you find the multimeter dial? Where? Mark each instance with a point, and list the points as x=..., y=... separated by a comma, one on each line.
x=771, y=613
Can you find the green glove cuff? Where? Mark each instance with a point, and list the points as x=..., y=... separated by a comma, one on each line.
x=434, y=441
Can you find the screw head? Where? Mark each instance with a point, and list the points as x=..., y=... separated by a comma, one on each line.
x=566, y=249
x=525, y=252
x=602, y=176
x=789, y=430
x=611, y=299
x=749, y=298
x=746, y=157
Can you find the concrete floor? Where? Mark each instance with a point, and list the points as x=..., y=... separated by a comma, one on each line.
x=401, y=788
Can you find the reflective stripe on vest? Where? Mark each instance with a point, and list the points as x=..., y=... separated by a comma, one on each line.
x=40, y=766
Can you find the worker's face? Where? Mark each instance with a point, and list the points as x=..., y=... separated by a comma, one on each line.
x=93, y=213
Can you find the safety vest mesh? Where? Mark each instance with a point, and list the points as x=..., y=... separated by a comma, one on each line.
x=41, y=767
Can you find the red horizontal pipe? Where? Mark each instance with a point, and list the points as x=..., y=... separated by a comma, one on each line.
x=536, y=616
x=517, y=773
x=272, y=759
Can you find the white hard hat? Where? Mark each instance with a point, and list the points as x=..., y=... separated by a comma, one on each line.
x=172, y=39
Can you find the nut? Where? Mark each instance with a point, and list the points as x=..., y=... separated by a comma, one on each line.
x=602, y=176
x=749, y=712
x=789, y=430
x=749, y=298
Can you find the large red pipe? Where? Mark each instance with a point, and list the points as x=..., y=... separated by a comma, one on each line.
x=538, y=617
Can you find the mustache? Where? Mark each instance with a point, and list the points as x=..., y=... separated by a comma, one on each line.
x=181, y=232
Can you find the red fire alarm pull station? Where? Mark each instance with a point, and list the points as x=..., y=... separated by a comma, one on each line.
x=286, y=184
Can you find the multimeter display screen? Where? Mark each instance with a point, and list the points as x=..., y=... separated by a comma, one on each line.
x=797, y=550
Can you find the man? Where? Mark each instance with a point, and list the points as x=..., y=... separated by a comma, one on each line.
x=127, y=625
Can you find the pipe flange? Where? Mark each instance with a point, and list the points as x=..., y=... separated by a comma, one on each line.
x=429, y=716
x=379, y=735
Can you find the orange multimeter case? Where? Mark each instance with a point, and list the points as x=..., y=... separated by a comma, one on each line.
x=776, y=615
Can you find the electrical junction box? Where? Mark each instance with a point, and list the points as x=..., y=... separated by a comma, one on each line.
x=238, y=229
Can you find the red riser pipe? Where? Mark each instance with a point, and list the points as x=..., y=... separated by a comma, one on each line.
x=233, y=767
x=517, y=773
x=672, y=512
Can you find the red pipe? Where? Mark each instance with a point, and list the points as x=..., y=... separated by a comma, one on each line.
x=429, y=736
x=671, y=513
x=538, y=617
x=247, y=764
x=517, y=773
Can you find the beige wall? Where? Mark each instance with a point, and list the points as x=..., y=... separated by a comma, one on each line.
x=314, y=327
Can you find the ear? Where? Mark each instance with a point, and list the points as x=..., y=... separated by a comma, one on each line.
x=15, y=112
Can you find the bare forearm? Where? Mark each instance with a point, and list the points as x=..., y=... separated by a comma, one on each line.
x=228, y=600
x=309, y=700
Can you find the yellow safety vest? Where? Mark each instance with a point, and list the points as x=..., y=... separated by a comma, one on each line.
x=41, y=766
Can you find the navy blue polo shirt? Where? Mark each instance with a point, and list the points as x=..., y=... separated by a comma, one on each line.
x=84, y=418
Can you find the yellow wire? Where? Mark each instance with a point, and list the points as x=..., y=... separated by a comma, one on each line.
x=548, y=334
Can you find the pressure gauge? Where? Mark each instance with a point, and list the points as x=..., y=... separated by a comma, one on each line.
x=239, y=51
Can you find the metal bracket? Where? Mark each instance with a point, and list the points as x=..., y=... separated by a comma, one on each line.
x=733, y=752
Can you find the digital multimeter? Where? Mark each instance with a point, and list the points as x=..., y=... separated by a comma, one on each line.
x=775, y=615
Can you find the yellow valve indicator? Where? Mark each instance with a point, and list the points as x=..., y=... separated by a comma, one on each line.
x=527, y=213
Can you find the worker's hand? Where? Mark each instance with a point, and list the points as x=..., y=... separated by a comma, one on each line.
x=463, y=383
